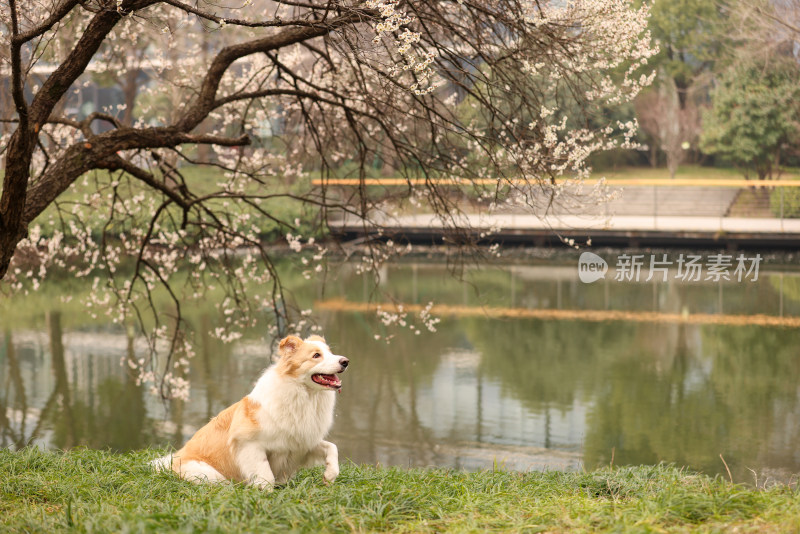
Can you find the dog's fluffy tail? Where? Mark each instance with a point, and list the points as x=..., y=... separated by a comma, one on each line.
x=162, y=464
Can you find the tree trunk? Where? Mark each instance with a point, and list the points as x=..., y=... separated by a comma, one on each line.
x=673, y=160
x=130, y=90
x=12, y=203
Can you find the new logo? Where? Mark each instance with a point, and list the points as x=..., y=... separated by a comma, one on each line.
x=591, y=267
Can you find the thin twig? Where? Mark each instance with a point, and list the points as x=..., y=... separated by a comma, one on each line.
x=726, y=467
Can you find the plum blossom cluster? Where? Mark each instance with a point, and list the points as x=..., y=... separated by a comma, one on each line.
x=413, y=60
x=379, y=254
x=613, y=33
x=313, y=264
x=401, y=317
x=427, y=319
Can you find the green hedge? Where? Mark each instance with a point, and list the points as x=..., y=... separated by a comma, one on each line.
x=791, y=201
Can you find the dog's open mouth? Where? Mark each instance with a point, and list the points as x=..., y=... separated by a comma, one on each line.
x=330, y=381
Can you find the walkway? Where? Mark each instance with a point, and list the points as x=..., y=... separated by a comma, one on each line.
x=640, y=215
x=663, y=223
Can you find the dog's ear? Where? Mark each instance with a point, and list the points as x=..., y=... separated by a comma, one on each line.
x=289, y=344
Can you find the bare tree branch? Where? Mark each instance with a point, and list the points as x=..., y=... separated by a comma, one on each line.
x=204, y=102
x=58, y=14
x=242, y=22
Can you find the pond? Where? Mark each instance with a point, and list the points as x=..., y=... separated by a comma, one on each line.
x=530, y=368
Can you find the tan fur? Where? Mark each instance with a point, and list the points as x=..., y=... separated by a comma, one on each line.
x=215, y=442
x=296, y=355
x=289, y=344
x=276, y=429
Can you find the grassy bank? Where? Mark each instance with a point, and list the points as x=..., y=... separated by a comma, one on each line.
x=86, y=490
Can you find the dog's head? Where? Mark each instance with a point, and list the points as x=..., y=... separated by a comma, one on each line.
x=311, y=362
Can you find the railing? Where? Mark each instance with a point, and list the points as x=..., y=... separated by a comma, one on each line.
x=724, y=205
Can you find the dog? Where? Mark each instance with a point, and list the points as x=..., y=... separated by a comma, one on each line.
x=276, y=429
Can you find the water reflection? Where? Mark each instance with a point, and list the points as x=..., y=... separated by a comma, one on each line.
x=523, y=392
x=85, y=399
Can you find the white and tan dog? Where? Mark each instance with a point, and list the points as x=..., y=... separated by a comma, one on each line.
x=276, y=429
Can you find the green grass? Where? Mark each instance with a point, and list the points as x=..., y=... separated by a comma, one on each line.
x=87, y=490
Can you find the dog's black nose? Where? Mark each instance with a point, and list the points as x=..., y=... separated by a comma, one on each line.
x=344, y=362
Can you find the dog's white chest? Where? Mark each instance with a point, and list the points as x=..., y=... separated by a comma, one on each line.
x=289, y=432
x=295, y=425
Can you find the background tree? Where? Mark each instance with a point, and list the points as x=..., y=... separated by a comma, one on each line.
x=767, y=27
x=755, y=116
x=673, y=128
x=692, y=37
x=338, y=84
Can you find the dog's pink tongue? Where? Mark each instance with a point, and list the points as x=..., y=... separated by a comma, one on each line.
x=328, y=380
x=334, y=380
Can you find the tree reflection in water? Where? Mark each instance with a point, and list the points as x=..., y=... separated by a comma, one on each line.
x=107, y=412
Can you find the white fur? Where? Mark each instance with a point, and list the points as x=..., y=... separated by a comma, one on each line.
x=201, y=472
x=294, y=414
x=162, y=464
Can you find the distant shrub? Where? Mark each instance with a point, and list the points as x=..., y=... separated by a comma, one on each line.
x=791, y=201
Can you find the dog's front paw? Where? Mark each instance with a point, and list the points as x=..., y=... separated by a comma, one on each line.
x=263, y=484
x=331, y=472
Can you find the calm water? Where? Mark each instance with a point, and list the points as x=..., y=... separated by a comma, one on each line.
x=518, y=373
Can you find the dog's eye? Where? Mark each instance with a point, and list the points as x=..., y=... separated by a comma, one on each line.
x=317, y=355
